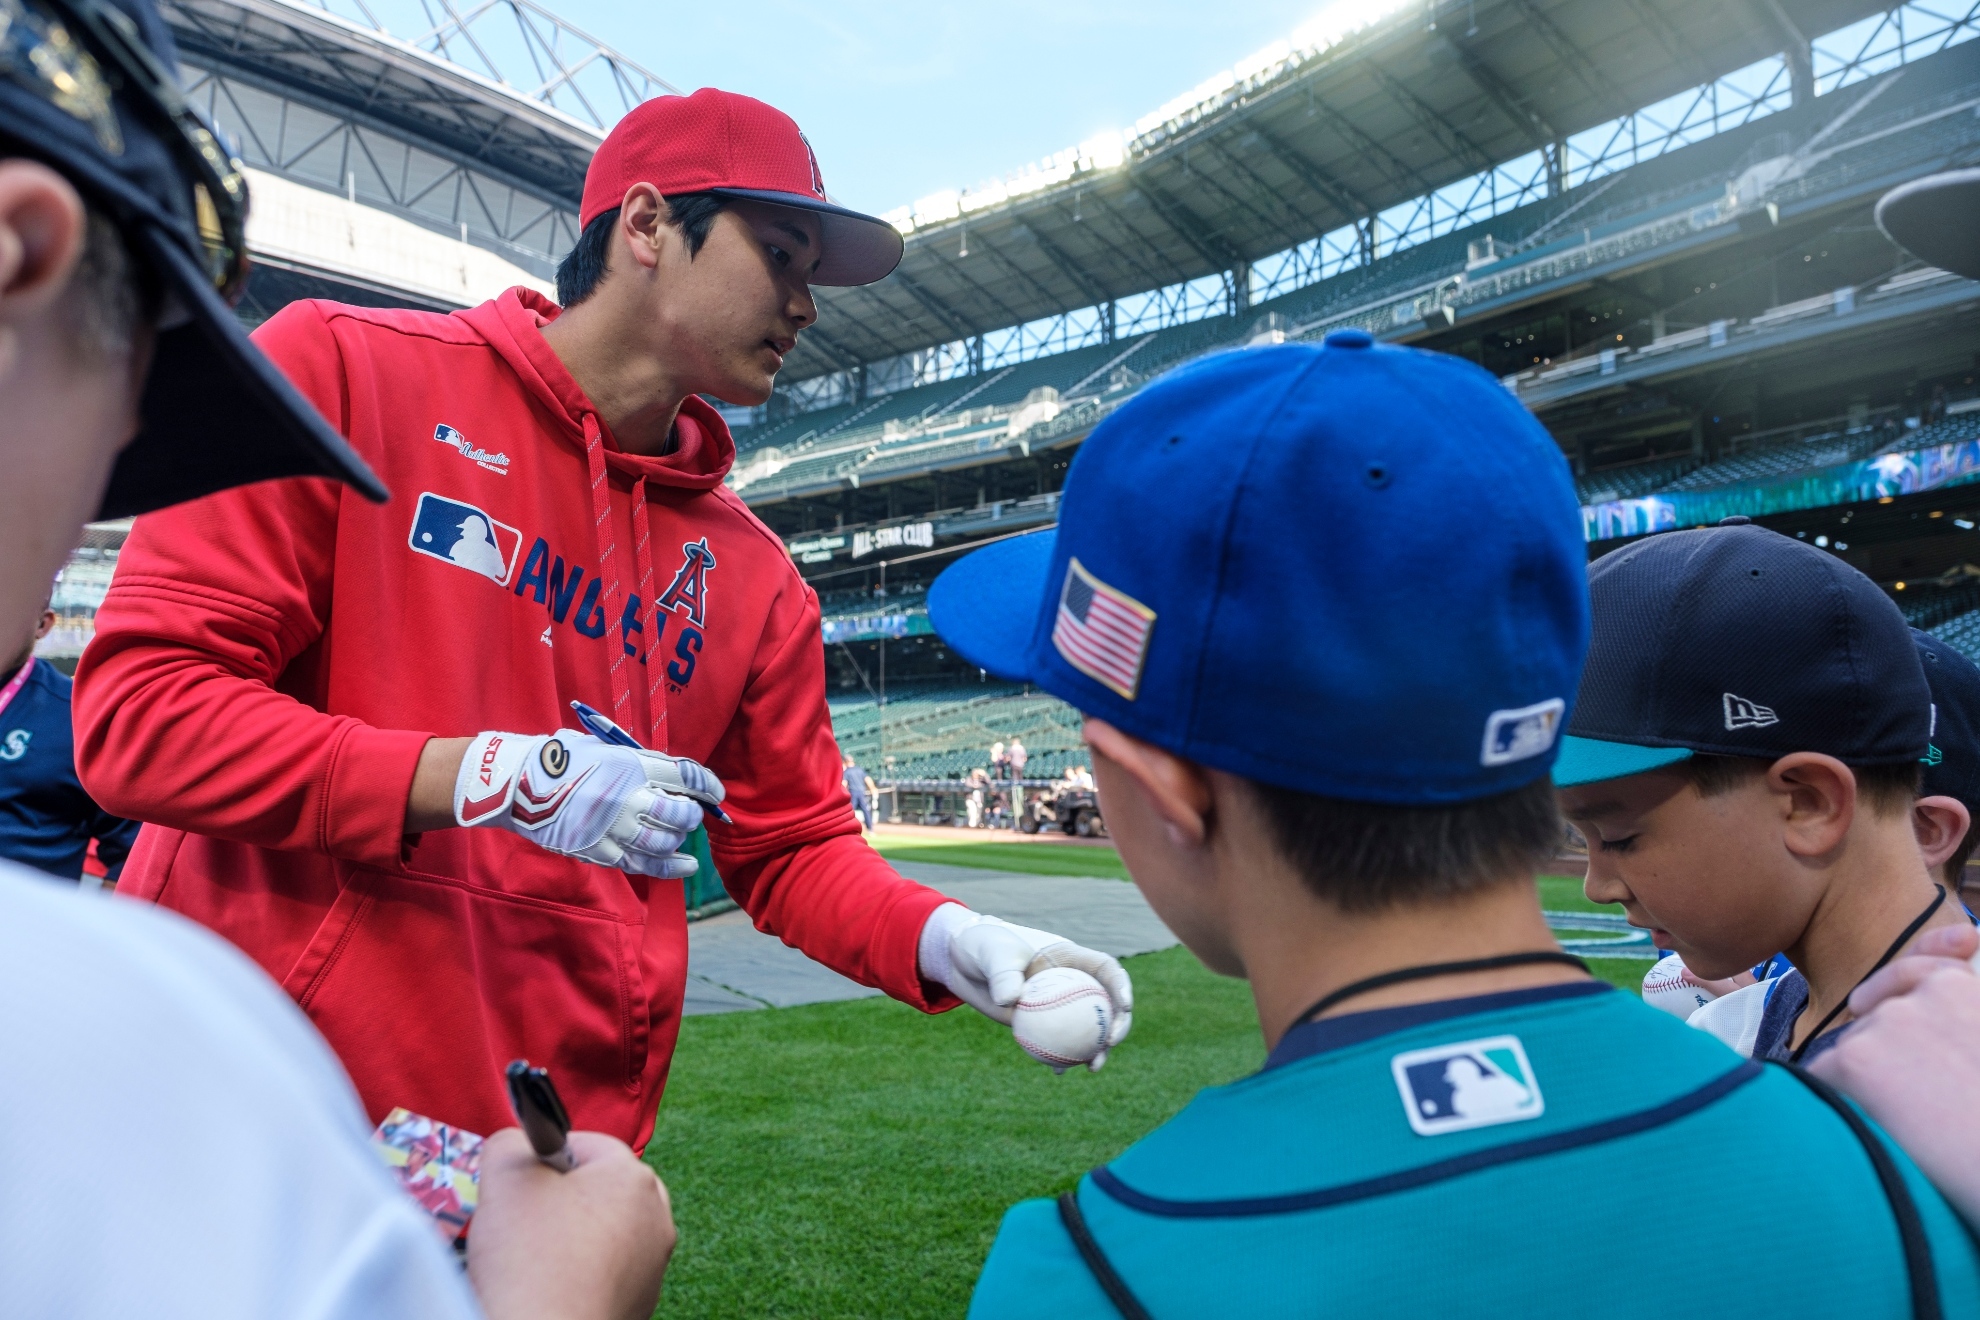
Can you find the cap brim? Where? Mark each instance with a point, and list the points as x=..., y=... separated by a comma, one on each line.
x=859, y=249
x=1937, y=219
x=986, y=604
x=1588, y=761
x=216, y=413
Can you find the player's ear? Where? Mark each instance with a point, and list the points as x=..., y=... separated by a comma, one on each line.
x=41, y=237
x=1176, y=789
x=1817, y=794
x=1941, y=824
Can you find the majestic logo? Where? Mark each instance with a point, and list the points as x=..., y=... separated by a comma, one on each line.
x=1472, y=1084
x=1516, y=735
x=555, y=759
x=15, y=745
x=689, y=589
x=464, y=536
x=496, y=463
x=1744, y=714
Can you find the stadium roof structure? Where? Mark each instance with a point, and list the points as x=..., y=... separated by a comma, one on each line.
x=532, y=111
x=1318, y=137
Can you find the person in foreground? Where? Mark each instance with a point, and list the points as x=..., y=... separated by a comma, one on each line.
x=1742, y=800
x=1942, y=821
x=177, y=1141
x=349, y=727
x=1322, y=744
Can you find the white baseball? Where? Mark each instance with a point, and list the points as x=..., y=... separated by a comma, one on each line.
x=1671, y=986
x=1061, y=1017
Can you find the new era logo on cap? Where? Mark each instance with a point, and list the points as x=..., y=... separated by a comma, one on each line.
x=1101, y=632
x=1470, y=1084
x=1744, y=714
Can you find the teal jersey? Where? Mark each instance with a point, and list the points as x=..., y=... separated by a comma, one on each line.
x=1561, y=1151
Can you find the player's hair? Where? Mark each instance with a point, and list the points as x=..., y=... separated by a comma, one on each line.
x=1363, y=856
x=109, y=295
x=583, y=270
x=1888, y=790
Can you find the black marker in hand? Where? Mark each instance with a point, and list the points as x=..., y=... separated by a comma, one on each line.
x=540, y=1113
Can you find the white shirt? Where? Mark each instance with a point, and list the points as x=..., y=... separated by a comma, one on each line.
x=176, y=1139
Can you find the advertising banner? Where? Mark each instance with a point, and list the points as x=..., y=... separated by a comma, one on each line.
x=1843, y=483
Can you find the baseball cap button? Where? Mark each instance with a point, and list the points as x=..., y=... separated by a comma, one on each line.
x=1349, y=339
x=1736, y=520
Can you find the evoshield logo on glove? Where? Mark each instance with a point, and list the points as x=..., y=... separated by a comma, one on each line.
x=554, y=758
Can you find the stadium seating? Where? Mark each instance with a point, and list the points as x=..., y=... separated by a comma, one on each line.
x=1961, y=631
x=1626, y=483
x=944, y=732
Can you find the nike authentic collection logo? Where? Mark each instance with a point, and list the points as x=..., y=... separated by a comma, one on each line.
x=1744, y=714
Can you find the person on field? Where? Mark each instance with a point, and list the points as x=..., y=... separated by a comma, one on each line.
x=1942, y=819
x=860, y=787
x=47, y=821
x=1744, y=802
x=1354, y=828
x=177, y=1141
x=350, y=727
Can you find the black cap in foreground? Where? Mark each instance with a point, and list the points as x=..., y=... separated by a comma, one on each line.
x=1738, y=641
x=1952, y=765
x=92, y=88
x=1937, y=219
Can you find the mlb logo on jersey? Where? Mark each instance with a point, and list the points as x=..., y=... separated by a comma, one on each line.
x=1472, y=1084
x=464, y=536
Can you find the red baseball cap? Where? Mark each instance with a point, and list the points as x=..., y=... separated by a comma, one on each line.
x=720, y=142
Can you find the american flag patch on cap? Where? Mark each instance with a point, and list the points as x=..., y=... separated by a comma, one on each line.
x=1103, y=633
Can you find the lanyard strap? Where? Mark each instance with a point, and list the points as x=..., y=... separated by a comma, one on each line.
x=1904, y=938
x=1429, y=970
x=16, y=683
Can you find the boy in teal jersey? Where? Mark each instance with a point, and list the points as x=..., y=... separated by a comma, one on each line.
x=1324, y=611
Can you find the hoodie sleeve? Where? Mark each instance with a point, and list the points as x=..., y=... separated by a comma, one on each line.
x=794, y=859
x=184, y=714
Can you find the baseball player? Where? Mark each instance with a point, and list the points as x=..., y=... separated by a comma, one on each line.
x=349, y=725
x=1335, y=785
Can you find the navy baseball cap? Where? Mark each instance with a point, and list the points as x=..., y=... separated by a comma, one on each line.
x=1349, y=570
x=1952, y=763
x=1737, y=641
x=92, y=88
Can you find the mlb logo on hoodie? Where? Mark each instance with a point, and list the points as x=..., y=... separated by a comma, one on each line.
x=464, y=536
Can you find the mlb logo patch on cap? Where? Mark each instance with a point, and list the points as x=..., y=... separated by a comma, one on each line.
x=464, y=536
x=1472, y=1084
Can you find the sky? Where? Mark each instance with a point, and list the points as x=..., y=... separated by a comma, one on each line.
x=902, y=100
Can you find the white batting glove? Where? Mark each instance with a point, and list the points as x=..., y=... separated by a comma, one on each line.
x=985, y=961
x=577, y=795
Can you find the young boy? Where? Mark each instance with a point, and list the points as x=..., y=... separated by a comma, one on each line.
x=1322, y=693
x=1942, y=819
x=1745, y=763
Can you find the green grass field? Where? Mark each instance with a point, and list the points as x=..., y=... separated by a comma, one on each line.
x=853, y=1159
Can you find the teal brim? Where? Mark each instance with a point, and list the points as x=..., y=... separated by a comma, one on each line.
x=1586, y=761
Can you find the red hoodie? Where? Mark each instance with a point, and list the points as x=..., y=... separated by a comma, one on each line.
x=271, y=660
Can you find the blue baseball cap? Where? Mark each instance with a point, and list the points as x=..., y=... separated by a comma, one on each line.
x=1345, y=569
x=1952, y=762
x=1738, y=641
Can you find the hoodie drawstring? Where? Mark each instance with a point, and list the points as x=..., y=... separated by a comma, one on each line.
x=608, y=568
